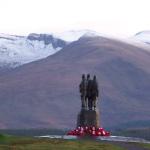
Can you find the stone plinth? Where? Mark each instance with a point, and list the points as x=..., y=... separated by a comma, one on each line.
x=88, y=118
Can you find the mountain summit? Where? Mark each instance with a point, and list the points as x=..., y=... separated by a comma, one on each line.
x=74, y=35
x=19, y=50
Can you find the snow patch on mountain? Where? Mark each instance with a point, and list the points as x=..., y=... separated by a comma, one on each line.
x=143, y=36
x=19, y=50
x=74, y=35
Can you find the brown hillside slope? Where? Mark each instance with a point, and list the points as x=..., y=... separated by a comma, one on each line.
x=45, y=93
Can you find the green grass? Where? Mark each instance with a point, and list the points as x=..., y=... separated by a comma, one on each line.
x=27, y=143
x=145, y=146
x=1, y=136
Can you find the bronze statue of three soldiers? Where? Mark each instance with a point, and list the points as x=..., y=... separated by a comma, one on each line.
x=89, y=92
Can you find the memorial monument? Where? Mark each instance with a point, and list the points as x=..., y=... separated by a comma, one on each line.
x=89, y=115
x=88, y=123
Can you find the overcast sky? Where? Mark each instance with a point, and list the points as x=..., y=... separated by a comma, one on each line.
x=113, y=17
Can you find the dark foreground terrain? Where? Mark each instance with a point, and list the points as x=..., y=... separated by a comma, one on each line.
x=29, y=143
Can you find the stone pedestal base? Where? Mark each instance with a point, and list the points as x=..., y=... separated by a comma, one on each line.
x=88, y=118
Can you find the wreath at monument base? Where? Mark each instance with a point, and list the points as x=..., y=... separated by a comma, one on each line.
x=88, y=131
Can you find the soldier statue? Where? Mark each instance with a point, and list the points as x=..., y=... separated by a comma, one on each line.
x=89, y=92
x=94, y=92
x=82, y=88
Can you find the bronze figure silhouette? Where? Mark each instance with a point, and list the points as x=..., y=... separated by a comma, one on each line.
x=89, y=92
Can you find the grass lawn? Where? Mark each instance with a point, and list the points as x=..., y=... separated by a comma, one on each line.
x=145, y=146
x=27, y=143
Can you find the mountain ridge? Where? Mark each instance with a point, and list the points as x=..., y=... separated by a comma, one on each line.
x=143, y=36
x=18, y=50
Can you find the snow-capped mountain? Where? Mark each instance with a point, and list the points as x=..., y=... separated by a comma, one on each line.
x=19, y=50
x=143, y=36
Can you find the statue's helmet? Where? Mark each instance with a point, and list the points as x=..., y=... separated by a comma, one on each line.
x=83, y=76
x=94, y=78
x=88, y=76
